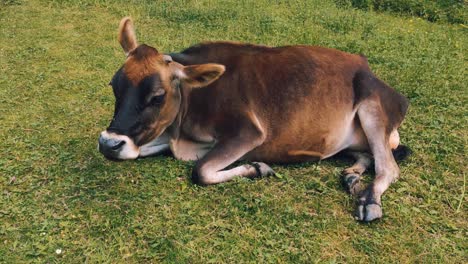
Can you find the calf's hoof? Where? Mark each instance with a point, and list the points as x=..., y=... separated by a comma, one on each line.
x=352, y=183
x=263, y=170
x=369, y=206
x=369, y=212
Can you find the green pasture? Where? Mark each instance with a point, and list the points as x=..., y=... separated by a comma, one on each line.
x=61, y=201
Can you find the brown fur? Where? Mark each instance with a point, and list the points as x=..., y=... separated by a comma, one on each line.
x=281, y=86
x=201, y=75
x=143, y=61
x=127, y=38
x=272, y=104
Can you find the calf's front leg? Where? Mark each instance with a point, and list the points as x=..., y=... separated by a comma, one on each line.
x=210, y=169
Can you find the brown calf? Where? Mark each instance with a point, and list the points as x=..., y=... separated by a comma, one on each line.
x=220, y=102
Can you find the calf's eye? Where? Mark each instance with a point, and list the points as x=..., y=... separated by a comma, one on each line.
x=157, y=99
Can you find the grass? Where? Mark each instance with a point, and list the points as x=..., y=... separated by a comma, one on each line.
x=62, y=202
x=451, y=11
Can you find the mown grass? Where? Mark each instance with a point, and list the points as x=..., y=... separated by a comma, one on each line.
x=451, y=11
x=59, y=193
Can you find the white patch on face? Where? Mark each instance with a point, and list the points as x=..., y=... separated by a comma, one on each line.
x=156, y=146
x=128, y=151
x=131, y=151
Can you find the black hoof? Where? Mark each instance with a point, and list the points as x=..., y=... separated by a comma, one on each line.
x=369, y=207
x=352, y=183
x=263, y=170
x=369, y=212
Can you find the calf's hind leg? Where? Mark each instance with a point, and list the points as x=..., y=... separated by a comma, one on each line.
x=352, y=175
x=372, y=118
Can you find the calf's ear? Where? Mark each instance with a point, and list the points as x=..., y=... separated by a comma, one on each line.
x=127, y=37
x=196, y=76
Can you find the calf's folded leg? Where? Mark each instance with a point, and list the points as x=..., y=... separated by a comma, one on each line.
x=210, y=169
x=372, y=118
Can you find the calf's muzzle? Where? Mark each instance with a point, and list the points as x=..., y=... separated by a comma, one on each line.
x=117, y=147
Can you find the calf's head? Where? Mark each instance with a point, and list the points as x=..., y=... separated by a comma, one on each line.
x=147, y=90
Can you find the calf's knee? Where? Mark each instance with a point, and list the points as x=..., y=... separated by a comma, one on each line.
x=202, y=176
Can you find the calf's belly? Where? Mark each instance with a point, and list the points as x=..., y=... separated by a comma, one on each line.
x=311, y=145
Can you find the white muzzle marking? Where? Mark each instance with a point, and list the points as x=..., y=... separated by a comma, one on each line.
x=130, y=150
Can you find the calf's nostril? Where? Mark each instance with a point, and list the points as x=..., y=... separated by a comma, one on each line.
x=118, y=145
